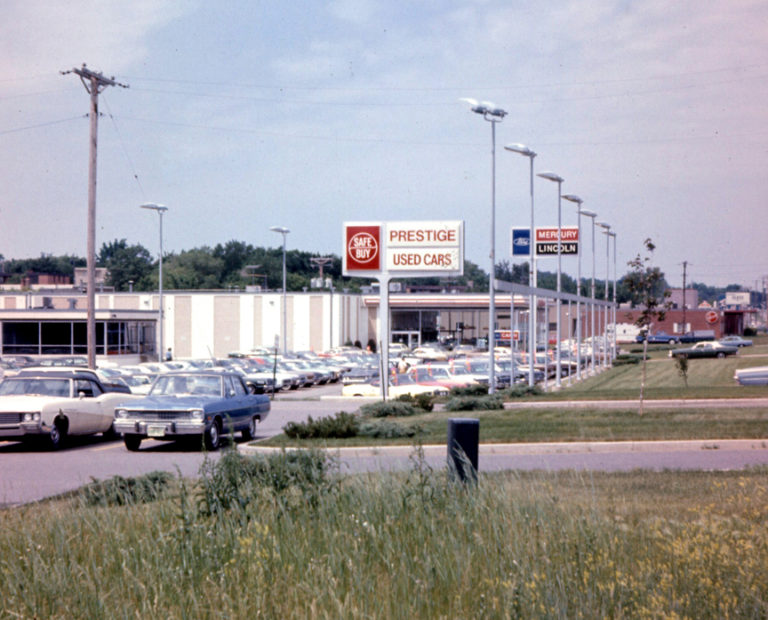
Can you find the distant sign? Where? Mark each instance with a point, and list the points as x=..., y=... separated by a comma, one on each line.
x=547, y=241
x=521, y=242
x=415, y=249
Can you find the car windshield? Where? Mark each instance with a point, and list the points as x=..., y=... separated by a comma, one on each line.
x=38, y=386
x=184, y=385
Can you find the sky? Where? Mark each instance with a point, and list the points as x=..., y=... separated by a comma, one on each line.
x=246, y=114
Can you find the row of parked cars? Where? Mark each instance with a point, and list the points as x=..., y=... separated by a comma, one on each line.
x=48, y=404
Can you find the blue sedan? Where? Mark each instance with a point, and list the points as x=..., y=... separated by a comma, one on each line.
x=180, y=404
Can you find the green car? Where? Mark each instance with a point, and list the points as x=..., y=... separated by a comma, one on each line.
x=705, y=349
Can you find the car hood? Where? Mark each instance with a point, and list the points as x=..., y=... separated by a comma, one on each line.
x=152, y=403
x=23, y=402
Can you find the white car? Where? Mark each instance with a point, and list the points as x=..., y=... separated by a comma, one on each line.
x=54, y=405
x=398, y=386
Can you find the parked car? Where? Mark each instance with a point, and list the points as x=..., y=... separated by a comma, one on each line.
x=399, y=385
x=53, y=405
x=180, y=404
x=757, y=375
x=658, y=338
x=735, y=341
x=705, y=349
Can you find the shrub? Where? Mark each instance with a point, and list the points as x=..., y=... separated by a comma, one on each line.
x=119, y=491
x=626, y=358
x=518, y=391
x=388, y=409
x=341, y=425
x=388, y=429
x=476, y=389
x=422, y=401
x=475, y=403
x=750, y=331
x=235, y=480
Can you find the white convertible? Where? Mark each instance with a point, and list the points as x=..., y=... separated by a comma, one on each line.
x=54, y=405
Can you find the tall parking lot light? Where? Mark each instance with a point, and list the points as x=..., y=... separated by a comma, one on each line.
x=160, y=210
x=606, y=231
x=593, y=215
x=578, y=201
x=493, y=114
x=283, y=231
x=551, y=176
x=525, y=151
x=613, y=309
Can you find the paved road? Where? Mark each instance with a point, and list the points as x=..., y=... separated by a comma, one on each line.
x=28, y=475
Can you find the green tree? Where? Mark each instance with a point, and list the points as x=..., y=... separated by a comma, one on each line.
x=125, y=263
x=648, y=293
x=193, y=269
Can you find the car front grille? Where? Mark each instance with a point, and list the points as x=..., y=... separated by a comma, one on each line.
x=12, y=417
x=160, y=416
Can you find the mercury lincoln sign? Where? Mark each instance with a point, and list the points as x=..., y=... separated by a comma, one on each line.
x=405, y=249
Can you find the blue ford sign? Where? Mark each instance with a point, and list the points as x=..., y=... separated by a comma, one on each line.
x=521, y=242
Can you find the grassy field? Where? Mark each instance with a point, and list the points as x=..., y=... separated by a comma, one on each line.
x=415, y=545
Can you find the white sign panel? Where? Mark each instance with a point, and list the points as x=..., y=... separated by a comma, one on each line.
x=418, y=247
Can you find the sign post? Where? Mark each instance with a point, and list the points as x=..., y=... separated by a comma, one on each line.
x=386, y=250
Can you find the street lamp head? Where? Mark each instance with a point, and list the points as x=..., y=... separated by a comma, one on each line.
x=604, y=225
x=588, y=213
x=573, y=198
x=520, y=148
x=154, y=207
x=279, y=229
x=550, y=176
x=486, y=108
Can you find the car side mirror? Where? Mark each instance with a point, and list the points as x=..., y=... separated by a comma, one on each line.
x=251, y=388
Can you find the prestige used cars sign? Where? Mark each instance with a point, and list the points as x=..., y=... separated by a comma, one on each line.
x=415, y=249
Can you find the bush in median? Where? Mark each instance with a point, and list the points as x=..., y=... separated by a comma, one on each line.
x=475, y=403
x=388, y=409
x=341, y=425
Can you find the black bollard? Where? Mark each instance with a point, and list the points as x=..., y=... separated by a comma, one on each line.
x=463, y=441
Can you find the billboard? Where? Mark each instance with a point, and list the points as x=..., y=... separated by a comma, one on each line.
x=408, y=249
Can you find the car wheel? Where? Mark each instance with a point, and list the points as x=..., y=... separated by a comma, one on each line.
x=673, y=341
x=212, y=436
x=132, y=442
x=250, y=432
x=58, y=435
x=110, y=434
x=720, y=355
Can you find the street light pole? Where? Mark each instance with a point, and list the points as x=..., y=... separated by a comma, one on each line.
x=160, y=210
x=551, y=176
x=593, y=215
x=578, y=201
x=283, y=231
x=532, y=301
x=606, y=231
x=613, y=310
x=493, y=114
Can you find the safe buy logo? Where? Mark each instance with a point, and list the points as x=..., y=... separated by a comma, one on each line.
x=363, y=243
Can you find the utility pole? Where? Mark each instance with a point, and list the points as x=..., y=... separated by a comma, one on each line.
x=320, y=262
x=94, y=83
x=685, y=267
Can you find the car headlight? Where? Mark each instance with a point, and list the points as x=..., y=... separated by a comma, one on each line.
x=32, y=417
x=121, y=413
x=197, y=415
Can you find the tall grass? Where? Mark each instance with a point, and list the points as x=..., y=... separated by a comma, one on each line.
x=398, y=546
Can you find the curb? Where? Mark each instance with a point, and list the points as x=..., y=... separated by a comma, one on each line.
x=576, y=447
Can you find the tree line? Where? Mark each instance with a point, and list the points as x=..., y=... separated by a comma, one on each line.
x=236, y=264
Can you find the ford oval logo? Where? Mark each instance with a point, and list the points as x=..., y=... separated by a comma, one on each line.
x=522, y=241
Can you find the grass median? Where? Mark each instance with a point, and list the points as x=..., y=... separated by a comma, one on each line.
x=706, y=379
